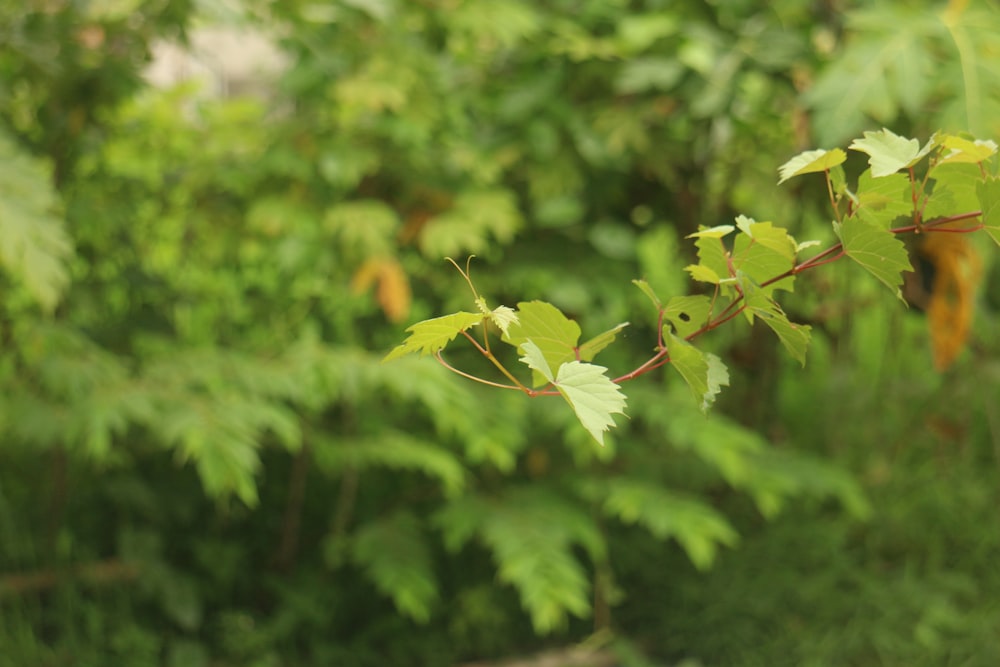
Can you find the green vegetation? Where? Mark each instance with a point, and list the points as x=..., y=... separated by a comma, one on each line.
x=205, y=460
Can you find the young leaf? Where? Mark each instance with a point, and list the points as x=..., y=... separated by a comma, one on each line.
x=877, y=250
x=989, y=200
x=704, y=373
x=433, y=335
x=888, y=152
x=555, y=334
x=501, y=316
x=810, y=162
x=586, y=387
x=687, y=313
x=590, y=349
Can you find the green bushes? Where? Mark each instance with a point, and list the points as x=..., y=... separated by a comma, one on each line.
x=197, y=294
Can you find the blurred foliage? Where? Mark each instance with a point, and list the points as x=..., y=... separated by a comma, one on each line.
x=197, y=291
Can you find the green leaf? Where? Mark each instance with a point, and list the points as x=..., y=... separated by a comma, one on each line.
x=545, y=325
x=877, y=250
x=810, y=162
x=698, y=528
x=704, y=373
x=763, y=252
x=888, y=152
x=712, y=232
x=646, y=289
x=34, y=246
x=953, y=190
x=687, y=314
x=476, y=220
x=712, y=265
x=433, y=335
x=795, y=337
x=586, y=387
x=535, y=359
x=532, y=533
x=364, y=228
x=395, y=555
x=989, y=198
x=590, y=349
x=882, y=200
x=395, y=451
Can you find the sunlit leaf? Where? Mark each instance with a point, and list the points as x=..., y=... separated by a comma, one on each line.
x=888, y=152
x=967, y=150
x=810, y=162
x=587, y=388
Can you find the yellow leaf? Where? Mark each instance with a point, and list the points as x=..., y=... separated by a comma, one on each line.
x=957, y=270
x=393, y=290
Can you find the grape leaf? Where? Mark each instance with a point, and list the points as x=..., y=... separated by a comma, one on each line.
x=646, y=289
x=712, y=264
x=966, y=150
x=591, y=394
x=989, y=199
x=877, y=250
x=590, y=349
x=712, y=232
x=704, y=373
x=795, y=337
x=432, y=335
x=544, y=324
x=954, y=190
x=501, y=316
x=810, y=162
x=764, y=251
x=882, y=200
x=687, y=314
x=888, y=152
